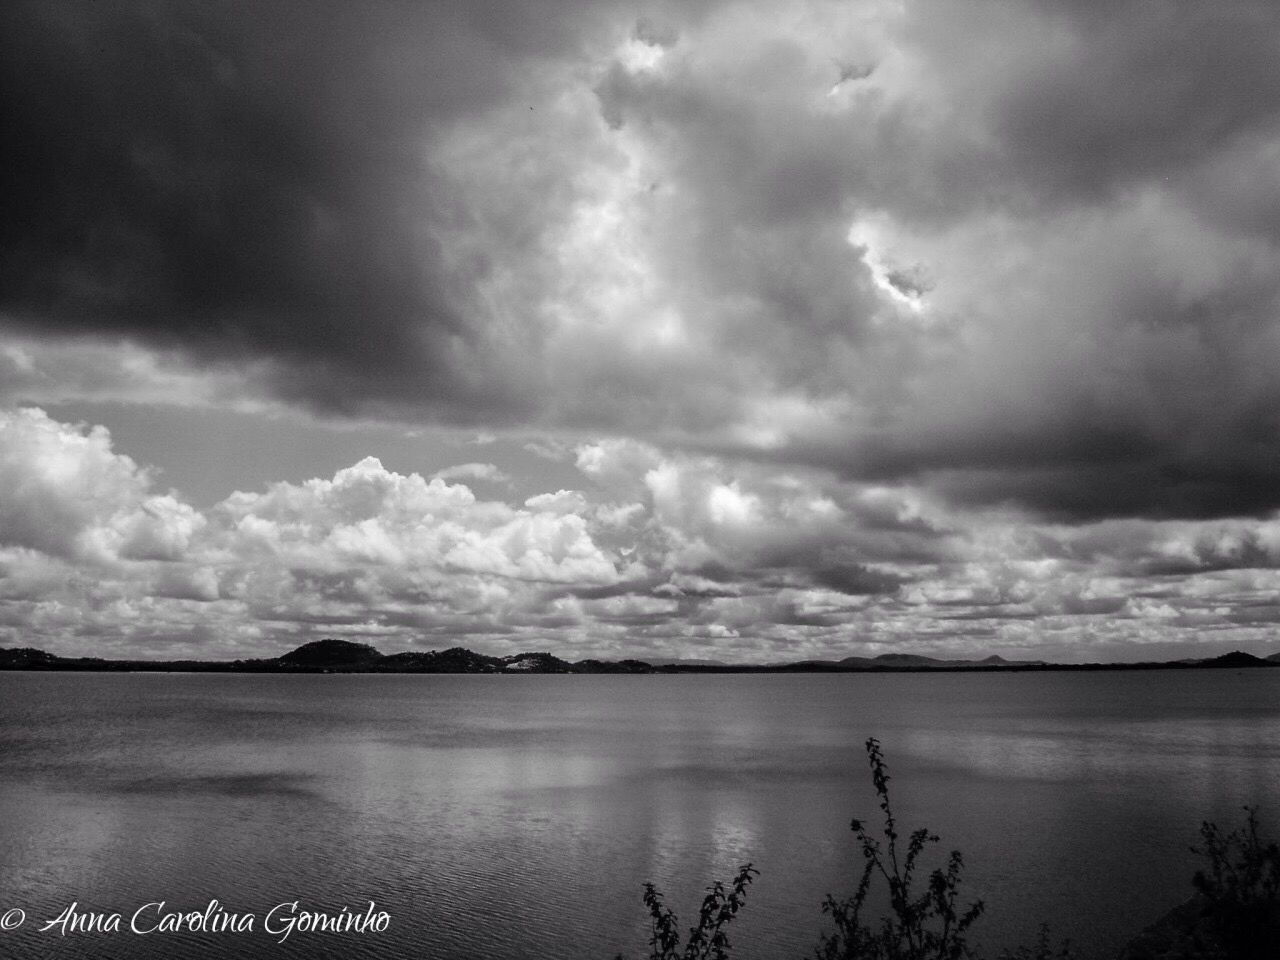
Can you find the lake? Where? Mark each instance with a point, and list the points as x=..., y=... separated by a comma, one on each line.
x=517, y=816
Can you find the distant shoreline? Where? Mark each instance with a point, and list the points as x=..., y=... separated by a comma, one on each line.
x=340, y=656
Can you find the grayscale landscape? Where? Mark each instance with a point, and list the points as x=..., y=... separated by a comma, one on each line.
x=493, y=479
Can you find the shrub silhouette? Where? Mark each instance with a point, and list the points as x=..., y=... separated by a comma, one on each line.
x=1241, y=890
x=923, y=923
x=1243, y=868
x=708, y=940
x=1235, y=917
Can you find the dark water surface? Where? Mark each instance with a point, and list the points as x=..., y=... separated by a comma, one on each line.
x=504, y=817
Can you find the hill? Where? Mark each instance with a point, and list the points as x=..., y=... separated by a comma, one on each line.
x=1236, y=658
x=453, y=660
x=344, y=655
x=913, y=661
x=331, y=653
x=25, y=658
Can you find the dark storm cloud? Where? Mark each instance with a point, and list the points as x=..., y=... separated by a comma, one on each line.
x=1071, y=112
x=252, y=181
x=1139, y=90
x=855, y=579
x=1132, y=149
x=1065, y=301
x=1262, y=613
x=1165, y=487
x=1060, y=103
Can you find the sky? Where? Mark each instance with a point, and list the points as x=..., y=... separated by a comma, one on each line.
x=750, y=331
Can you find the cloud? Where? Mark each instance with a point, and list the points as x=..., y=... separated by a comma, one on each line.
x=185, y=178
x=372, y=518
x=68, y=494
x=1017, y=256
x=487, y=472
x=691, y=550
x=862, y=320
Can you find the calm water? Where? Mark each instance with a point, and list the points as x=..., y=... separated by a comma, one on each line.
x=505, y=817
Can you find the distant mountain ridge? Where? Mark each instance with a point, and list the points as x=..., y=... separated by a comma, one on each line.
x=1238, y=658
x=345, y=656
x=916, y=661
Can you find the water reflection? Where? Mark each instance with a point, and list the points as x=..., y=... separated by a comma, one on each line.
x=511, y=817
x=1230, y=757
